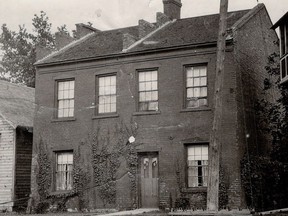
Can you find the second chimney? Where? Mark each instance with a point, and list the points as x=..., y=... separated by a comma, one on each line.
x=172, y=8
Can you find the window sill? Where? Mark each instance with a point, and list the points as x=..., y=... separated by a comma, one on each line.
x=102, y=116
x=146, y=113
x=194, y=190
x=63, y=119
x=198, y=109
x=284, y=80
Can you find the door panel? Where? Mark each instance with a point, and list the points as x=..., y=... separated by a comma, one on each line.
x=149, y=181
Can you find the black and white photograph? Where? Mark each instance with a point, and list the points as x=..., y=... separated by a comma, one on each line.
x=144, y=107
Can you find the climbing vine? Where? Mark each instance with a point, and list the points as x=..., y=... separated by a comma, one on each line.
x=223, y=189
x=57, y=202
x=81, y=178
x=108, y=151
x=265, y=174
x=43, y=177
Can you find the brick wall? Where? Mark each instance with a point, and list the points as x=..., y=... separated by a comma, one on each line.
x=168, y=130
x=6, y=164
x=165, y=132
x=254, y=42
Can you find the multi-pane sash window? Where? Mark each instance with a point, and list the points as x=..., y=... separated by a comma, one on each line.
x=197, y=161
x=64, y=167
x=148, y=91
x=196, y=86
x=107, y=94
x=65, y=98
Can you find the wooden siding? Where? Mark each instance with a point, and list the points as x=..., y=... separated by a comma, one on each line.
x=6, y=164
x=23, y=167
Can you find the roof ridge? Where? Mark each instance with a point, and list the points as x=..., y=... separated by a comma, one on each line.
x=149, y=35
x=73, y=43
x=18, y=85
x=239, y=23
x=214, y=14
x=9, y=122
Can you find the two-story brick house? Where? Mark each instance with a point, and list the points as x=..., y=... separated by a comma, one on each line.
x=124, y=116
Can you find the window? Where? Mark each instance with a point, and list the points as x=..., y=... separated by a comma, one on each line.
x=65, y=98
x=284, y=50
x=197, y=165
x=64, y=167
x=107, y=94
x=148, y=90
x=196, y=86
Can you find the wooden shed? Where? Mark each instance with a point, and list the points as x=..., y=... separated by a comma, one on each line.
x=16, y=138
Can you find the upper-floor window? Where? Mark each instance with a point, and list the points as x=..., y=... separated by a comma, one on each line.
x=197, y=165
x=148, y=90
x=65, y=98
x=284, y=50
x=107, y=94
x=64, y=168
x=196, y=86
x=284, y=39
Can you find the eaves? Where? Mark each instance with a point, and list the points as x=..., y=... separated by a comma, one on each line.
x=136, y=53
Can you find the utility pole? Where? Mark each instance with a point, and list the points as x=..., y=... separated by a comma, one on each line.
x=215, y=137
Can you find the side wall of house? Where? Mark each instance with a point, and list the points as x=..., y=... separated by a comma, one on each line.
x=254, y=42
x=7, y=141
x=24, y=141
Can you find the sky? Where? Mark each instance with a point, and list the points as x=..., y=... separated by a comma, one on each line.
x=111, y=14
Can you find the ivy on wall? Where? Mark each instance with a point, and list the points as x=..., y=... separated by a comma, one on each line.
x=109, y=149
x=223, y=189
x=43, y=177
x=57, y=202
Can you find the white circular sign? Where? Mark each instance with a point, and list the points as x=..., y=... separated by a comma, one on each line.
x=131, y=139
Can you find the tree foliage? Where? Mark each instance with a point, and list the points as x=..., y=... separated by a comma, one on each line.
x=19, y=49
x=265, y=178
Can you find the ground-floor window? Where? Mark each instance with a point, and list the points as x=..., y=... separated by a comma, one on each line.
x=64, y=167
x=197, y=165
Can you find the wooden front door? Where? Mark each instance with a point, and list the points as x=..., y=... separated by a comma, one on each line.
x=149, y=180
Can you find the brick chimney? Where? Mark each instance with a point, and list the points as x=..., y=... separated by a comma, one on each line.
x=172, y=8
x=62, y=39
x=83, y=29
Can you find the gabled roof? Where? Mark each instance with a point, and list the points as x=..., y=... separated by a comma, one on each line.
x=189, y=31
x=196, y=30
x=17, y=104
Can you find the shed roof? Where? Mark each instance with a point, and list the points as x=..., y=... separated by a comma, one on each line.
x=188, y=31
x=17, y=104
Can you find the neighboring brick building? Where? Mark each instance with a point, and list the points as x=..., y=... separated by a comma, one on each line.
x=153, y=83
x=16, y=127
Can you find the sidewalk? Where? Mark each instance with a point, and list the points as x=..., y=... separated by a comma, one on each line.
x=120, y=213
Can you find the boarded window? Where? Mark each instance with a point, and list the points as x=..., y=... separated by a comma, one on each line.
x=148, y=91
x=196, y=86
x=65, y=98
x=64, y=167
x=197, y=161
x=107, y=94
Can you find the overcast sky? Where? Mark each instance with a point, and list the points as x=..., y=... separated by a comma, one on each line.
x=109, y=14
